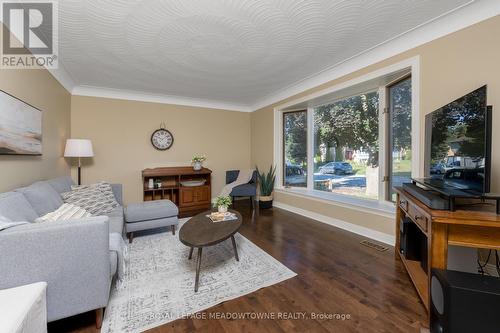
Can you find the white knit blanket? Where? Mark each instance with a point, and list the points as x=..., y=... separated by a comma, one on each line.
x=243, y=178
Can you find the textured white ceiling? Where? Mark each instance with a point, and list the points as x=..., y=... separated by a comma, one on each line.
x=230, y=51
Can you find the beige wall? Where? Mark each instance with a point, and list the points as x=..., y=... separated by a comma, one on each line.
x=38, y=88
x=450, y=67
x=120, y=131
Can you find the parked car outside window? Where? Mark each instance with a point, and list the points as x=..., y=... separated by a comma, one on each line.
x=337, y=168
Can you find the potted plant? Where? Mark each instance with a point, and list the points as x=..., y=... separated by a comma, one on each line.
x=197, y=162
x=266, y=186
x=222, y=202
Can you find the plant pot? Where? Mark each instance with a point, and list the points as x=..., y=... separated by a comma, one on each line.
x=222, y=209
x=197, y=166
x=266, y=202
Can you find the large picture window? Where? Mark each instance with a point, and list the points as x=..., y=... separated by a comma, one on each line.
x=352, y=144
x=346, y=146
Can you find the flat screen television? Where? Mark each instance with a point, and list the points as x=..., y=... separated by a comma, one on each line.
x=458, y=145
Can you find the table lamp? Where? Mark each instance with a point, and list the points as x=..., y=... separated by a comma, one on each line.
x=78, y=148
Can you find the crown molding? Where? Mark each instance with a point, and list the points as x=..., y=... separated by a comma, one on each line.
x=131, y=95
x=63, y=77
x=470, y=13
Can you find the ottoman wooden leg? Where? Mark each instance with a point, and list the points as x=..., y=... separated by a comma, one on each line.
x=173, y=229
x=98, y=317
x=130, y=237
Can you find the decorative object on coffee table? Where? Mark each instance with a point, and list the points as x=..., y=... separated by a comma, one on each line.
x=190, y=199
x=201, y=232
x=221, y=203
x=266, y=186
x=217, y=217
x=79, y=148
x=197, y=162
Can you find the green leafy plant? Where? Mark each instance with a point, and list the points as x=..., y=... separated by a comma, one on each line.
x=223, y=201
x=198, y=158
x=266, y=181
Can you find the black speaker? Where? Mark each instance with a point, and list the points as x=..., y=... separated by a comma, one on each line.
x=410, y=239
x=464, y=302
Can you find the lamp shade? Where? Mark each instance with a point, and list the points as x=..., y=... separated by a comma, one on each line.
x=78, y=148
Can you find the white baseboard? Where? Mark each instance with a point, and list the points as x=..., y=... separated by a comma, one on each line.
x=354, y=228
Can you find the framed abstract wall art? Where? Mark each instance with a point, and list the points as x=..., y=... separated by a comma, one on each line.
x=20, y=127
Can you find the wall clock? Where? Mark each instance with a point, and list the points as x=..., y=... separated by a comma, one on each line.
x=162, y=139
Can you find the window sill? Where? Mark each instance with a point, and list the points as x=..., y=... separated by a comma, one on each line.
x=386, y=209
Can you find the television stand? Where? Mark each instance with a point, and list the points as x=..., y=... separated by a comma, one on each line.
x=451, y=194
x=469, y=228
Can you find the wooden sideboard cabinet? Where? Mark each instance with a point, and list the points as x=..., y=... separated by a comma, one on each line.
x=194, y=196
x=190, y=199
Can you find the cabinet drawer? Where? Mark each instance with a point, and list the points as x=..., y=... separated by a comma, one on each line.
x=419, y=216
x=403, y=202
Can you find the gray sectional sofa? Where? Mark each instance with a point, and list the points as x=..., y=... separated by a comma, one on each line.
x=73, y=257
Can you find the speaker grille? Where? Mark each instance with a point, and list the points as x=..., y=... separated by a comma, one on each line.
x=437, y=295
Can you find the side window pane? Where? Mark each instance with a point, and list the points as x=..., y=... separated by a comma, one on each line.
x=346, y=146
x=295, y=148
x=400, y=115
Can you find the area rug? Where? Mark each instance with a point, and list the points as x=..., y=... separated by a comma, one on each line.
x=158, y=286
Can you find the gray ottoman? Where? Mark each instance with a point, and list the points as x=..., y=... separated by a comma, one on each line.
x=150, y=215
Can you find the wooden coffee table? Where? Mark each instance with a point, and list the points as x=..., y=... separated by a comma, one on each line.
x=200, y=232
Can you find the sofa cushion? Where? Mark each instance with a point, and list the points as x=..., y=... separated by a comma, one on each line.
x=152, y=224
x=6, y=223
x=245, y=190
x=150, y=210
x=16, y=207
x=116, y=220
x=42, y=197
x=61, y=184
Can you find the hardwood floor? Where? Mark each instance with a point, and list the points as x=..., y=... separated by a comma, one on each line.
x=336, y=275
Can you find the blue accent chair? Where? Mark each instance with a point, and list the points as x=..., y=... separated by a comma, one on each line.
x=245, y=190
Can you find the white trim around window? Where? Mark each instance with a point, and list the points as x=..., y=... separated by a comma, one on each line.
x=412, y=65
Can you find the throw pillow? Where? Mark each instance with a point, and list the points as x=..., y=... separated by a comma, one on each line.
x=104, y=187
x=97, y=199
x=65, y=212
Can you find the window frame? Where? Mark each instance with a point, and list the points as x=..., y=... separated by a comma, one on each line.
x=390, y=134
x=382, y=204
x=283, y=166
